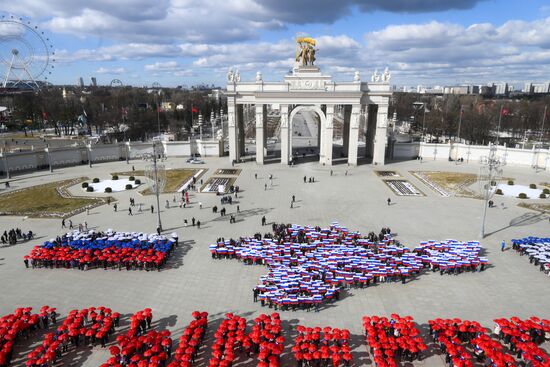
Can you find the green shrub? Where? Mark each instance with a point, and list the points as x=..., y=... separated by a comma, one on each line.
x=108, y=190
x=115, y=177
x=498, y=192
x=84, y=185
x=90, y=189
x=95, y=180
x=493, y=183
x=129, y=187
x=137, y=181
x=522, y=195
x=131, y=178
x=510, y=182
x=546, y=191
x=532, y=186
x=542, y=195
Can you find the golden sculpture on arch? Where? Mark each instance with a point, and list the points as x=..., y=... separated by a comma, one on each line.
x=306, y=51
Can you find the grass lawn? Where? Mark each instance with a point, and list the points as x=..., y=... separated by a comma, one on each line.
x=46, y=200
x=175, y=178
x=452, y=182
x=230, y=182
x=545, y=208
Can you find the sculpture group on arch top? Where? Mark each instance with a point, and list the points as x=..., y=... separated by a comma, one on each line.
x=305, y=56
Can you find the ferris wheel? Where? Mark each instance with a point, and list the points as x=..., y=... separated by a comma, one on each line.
x=26, y=54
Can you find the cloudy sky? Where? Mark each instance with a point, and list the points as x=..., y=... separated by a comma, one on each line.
x=187, y=42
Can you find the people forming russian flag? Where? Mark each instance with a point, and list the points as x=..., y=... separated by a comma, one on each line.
x=107, y=250
x=537, y=249
x=309, y=266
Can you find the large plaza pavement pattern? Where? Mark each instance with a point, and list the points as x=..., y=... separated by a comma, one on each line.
x=194, y=281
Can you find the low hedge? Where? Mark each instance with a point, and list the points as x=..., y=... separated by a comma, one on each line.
x=84, y=185
x=95, y=180
x=131, y=178
x=542, y=195
x=522, y=195
x=510, y=182
x=546, y=191
x=532, y=186
x=115, y=177
x=108, y=190
x=129, y=187
x=90, y=189
x=498, y=192
x=137, y=181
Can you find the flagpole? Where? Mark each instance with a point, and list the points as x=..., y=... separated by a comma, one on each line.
x=542, y=127
x=460, y=121
x=499, y=120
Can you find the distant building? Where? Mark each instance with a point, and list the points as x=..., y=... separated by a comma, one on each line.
x=501, y=89
x=94, y=81
x=80, y=82
x=541, y=88
x=216, y=95
x=458, y=89
x=167, y=106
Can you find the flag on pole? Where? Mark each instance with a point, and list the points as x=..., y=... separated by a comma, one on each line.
x=44, y=115
x=194, y=110
x=505, y=112
x=461, y=111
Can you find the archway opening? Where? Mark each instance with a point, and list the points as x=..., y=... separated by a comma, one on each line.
x=306, y=135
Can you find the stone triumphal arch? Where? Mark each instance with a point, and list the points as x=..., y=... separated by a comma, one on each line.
x=307, y=88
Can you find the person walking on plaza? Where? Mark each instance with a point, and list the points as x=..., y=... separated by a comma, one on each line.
x=139, y=208
x=115, y=207
x=389, y=201
x=263, y=220
x=63, y=223
x=130, y=211
x=158, y=230
x=293, y=198
x=265, y=187
x=256, y=176
x=305, y=179
x=167, y=205
x=198, y=224
x=200, y=205
x=503, y=245
x=70, y=224
x=291, y=204
x=193, y=220
x=152, y=209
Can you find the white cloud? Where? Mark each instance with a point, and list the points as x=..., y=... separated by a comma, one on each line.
x=113, y=71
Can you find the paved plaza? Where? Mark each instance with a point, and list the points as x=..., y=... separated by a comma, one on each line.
x=511, y=286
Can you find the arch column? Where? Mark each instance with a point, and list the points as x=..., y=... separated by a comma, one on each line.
x=353, y=139
x=327, y=131
x=285, y=135
x=380, y=137
x=232, y=131
x=260, y=132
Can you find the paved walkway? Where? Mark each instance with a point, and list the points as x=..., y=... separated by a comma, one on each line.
x=193, y=280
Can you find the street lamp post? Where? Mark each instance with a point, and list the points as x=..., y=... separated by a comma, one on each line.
x=47, y=150
x=493, y=165
x=157, y=186
x=89, y=150
x=499, y=121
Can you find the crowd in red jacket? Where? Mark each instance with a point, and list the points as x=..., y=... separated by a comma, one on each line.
x=322, y=347
x=393, y=340
x=13, y=326
x=191, y=340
